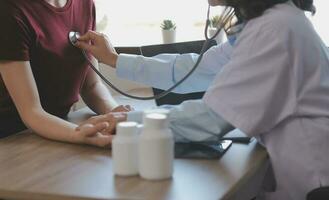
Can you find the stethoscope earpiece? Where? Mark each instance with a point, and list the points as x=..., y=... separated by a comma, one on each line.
x=73, y=37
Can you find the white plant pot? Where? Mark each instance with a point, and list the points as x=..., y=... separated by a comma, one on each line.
x=220, y=37
x=169, y=36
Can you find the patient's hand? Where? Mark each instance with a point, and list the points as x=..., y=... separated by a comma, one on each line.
x=123, y=108
x=91, y=134
x=111, y=120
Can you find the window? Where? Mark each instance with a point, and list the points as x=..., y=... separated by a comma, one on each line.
x=130, y=23
x=320, y=19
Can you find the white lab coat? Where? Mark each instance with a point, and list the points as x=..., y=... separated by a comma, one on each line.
x=276, y=87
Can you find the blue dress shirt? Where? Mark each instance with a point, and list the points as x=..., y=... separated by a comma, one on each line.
x=192, y=120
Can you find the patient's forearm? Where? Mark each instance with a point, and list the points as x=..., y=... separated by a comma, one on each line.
x=99, y=99
x=51, y=127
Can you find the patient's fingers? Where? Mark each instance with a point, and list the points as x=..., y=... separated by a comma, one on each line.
x=89, y=130
x=129, y=108
x=100, y=140
x=122, y=108
x=94, y=120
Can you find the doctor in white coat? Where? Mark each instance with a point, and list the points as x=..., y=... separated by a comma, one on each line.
x=271, y=80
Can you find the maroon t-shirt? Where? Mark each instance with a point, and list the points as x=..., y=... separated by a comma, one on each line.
x=35, y=31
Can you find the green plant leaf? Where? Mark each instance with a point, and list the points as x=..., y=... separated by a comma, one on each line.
x=168, y=24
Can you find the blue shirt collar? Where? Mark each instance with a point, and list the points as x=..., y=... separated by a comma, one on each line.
x=234, y=33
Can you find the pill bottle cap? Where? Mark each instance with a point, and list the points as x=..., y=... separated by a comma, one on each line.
x=156, y=121
x=127, y=129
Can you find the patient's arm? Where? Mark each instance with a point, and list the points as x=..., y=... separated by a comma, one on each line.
x=97, y=97
x=21, y=85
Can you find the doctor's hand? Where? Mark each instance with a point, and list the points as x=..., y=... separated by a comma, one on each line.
x=99, y=46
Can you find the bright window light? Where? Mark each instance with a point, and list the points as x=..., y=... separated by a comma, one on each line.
x=320, y=19
x=130, y=23
x=134, y=23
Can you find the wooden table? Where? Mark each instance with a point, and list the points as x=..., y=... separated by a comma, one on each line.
x=35, y=168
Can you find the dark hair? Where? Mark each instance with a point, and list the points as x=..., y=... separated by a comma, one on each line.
x=249, y=9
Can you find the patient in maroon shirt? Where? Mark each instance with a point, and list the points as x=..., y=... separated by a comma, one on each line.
x=42, y=75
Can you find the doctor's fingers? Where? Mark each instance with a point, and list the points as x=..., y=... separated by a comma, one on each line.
x=90, y=36
x=86, y=46
x=95, y=38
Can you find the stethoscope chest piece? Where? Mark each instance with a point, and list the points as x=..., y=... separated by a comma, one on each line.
x=73, y=37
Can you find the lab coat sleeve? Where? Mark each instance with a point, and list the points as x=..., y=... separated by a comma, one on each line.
x=164, y=70
x=191, y=121
x=256, y=90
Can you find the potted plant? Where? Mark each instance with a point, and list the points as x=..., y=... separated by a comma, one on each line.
x=168, y=31
x=215, y=23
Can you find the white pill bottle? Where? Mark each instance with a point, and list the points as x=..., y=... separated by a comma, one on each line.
x=125, y=149
x=156, y=148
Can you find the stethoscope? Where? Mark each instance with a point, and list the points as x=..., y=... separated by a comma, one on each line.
x=227, y=14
